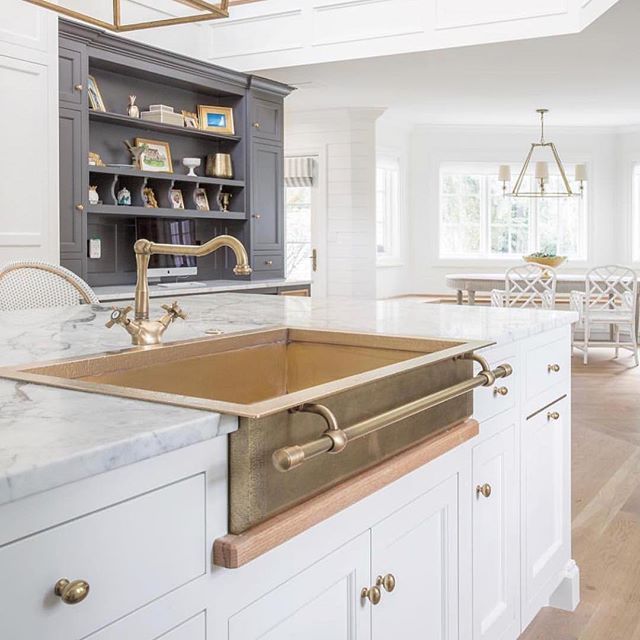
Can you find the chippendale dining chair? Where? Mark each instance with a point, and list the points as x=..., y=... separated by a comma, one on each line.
x=35, y=285
x=610, y=299
x=527, y=285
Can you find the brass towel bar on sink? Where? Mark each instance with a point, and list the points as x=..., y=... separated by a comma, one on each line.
x=335, y=439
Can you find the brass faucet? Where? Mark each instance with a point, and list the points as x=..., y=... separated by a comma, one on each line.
x=148, y=332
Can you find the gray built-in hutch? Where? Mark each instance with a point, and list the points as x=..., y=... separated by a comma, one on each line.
x=122, y=68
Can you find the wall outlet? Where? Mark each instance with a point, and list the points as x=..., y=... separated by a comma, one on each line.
x=95, y=248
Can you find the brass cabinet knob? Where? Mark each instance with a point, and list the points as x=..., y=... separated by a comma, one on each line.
x=80, y=207
x=388, y=582
x=256, y=125
x=500, y=391
x=373, y=594
x=553, y=415
x=257, y=216
x=553, y=368
x=268, y=262
x=484, y=490
x=71, y=592
x=78, y=87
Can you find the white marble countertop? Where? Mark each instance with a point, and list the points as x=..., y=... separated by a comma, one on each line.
x=49, y=437
x=125, y=291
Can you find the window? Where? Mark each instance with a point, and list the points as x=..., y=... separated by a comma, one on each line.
x=636, y=214
x=387, y=209
x=477, y=221
x=298, y=238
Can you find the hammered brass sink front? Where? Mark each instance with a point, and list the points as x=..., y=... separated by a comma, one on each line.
x=251, y=374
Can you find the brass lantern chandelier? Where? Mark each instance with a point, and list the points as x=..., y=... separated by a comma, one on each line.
x=207, y=11
x=541, y=175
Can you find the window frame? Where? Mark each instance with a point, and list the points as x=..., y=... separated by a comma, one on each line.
x=393, y=258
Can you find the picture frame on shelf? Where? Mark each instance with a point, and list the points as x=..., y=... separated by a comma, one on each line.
x=176, y=198
x=191, y=120
x=216, y=119
x=96, y=101
x=156, y=157
x=149, y=197
x=201, y=200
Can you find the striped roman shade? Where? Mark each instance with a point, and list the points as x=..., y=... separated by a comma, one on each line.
x=299, y=171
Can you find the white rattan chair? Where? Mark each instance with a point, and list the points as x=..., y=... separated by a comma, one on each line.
x=527, y=285
x=35, y=285
x=610, y=299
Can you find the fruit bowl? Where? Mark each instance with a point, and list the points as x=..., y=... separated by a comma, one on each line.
x=545, y=260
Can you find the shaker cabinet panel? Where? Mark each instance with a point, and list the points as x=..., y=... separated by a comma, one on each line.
x=72, y=75
x=418, y=546
x=267, y=119
x=73, y=190
x=320, y=603
x=495, y=538
x=267, y=212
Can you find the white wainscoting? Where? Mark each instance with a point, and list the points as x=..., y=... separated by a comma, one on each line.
x=29, y=133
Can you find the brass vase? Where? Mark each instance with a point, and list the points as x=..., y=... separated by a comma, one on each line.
x=219, y=166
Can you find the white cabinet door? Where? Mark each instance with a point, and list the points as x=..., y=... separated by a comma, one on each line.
x=546, y=508
x=321, y=603
x=496, y=543
x=419, y=546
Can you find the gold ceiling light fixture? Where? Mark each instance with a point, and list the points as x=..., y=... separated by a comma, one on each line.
x=541, y=174
x=207, y=11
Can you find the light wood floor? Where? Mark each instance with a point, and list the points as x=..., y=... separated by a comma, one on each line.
x=606, y=505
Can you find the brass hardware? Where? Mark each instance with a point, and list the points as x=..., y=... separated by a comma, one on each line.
x=553, y=368
x=314, y=260
x=257, y=216
x=388, y=582
x=553, y=415
x=373, y=594
x=287, y=458
x=256, y=125
x=80, y=207
x=500, y=391
x=483, y=489
x=71, y=592
x=78, y=87
x=211, y=12
x=269, y=263
x=147, y=332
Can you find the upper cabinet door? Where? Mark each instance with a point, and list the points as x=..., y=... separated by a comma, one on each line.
x=417, y=548
x=267, y=202
x=321, y=603
x=495, y=538
x=72, y=73
x=266, y=120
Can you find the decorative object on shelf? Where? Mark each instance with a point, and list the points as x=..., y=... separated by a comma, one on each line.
x=123, y=197
x=191, y=120
x=205, y=11
x=545, y=259
x=156, y=155
x=95, y=160
x=149, y=198
x=94, y=198
x=201, y=200
x=163, y=114
x=224, y=200
x=192, y=164
x=136, y=152
x=95, y=97
x=542, y=171
x=219, y=166
x=132, y=110
x=218, y=119
x=176, y=198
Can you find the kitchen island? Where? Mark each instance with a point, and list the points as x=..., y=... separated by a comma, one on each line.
x=127, y=497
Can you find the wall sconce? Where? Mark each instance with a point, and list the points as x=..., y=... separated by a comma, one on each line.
x=504, y=176
x=581, y=176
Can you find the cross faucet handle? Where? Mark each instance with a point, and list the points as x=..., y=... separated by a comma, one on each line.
x=175, y=311
x=119, y=316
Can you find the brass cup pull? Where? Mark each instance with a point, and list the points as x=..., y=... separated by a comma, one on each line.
x=553, y=368
x=71, y=592
x=553, y=415
x=388, y=582
x=484, y=490
x=500, y=391
x=373, y=594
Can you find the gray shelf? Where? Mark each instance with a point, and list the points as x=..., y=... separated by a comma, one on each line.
x=130, y=171
x=138, y=123
x=147, y=212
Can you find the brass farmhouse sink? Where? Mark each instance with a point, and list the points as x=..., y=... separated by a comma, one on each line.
x=299, y=394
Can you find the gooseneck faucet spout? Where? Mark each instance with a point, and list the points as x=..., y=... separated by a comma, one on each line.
x=148, y=332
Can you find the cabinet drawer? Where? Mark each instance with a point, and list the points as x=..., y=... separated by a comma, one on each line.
x=150, y=628
x=268, y=262
x=490, y=401
x=129, y=554
x=547, y=365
